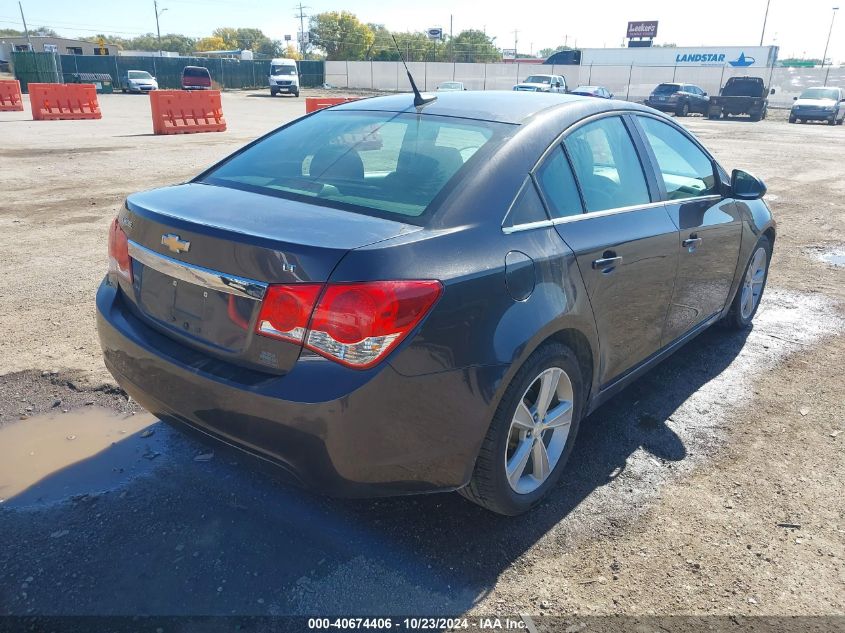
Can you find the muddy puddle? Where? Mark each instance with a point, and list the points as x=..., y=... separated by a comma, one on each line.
x=835, y=258
x=52, y=457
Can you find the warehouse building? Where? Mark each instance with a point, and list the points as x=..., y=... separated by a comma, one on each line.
x=46, y=44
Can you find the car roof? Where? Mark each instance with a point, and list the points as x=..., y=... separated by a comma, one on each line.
x=503, y=106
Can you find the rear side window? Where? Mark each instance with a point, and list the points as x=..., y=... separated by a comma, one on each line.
x=380, y=163
x=526, y=208
x=558, y=186
x=607, y=166
x=687, y=171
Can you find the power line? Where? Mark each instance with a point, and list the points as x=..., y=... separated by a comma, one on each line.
x=302, y=17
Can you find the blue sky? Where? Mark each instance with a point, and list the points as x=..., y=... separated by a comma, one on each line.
x=798, y=27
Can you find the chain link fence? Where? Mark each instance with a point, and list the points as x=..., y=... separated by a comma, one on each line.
x=628, y=82
x=226, y=74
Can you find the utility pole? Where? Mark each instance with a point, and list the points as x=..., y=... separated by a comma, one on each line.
x=765, y=18
x=158, y=29
x=451, y=44
x=515, y=41
x=824, y=57
x=26, y=30
x=301, y=15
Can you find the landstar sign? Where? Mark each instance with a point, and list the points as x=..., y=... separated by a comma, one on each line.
x=642, y=29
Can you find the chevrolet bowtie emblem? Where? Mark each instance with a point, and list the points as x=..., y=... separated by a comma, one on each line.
x=175, y=243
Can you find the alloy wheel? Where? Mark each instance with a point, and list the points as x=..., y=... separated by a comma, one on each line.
x=752, y=286
x=539, y=430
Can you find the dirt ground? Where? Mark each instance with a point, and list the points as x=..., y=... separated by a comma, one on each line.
x=712, y=486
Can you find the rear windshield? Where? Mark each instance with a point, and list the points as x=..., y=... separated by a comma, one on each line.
x=744, y=88
x=820, y=93
x=193, y=71
x=666, y=89
x=283, y=70
x=381, y=163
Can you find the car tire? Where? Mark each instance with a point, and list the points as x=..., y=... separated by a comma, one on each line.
x=713, y=116
x=296, y=94
x=273, y=93
x=682, y=110
x=745, y=303
x=508, y=437
x=831, y=121
x=792, y=119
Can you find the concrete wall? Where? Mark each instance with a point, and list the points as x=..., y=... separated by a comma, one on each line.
x=633, y=83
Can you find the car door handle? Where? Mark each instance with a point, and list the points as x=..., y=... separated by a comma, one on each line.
x=606, y=263
x=692, y=241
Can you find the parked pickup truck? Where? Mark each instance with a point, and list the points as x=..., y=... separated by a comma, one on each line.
x=741, y=95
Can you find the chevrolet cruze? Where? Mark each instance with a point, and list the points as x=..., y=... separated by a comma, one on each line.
x=384, y=298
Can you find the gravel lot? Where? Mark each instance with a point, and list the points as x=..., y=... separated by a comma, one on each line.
x=675, y=501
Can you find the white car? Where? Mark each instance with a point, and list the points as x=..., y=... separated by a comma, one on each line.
x=819, y=104
x=138, y=81
x=542, y=83
x=451, y=86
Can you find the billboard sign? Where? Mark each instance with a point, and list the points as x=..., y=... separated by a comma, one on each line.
x=508, y=53
x=642, y=29
x=435, y=33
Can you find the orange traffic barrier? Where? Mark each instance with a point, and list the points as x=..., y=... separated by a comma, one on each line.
x=51, y=102
x=312, y=104
x=10, y=96
x=186, y=111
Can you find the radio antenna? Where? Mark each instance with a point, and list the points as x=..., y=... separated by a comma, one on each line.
x=419, y=98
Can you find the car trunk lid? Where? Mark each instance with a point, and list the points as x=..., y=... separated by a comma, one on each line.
x=203, y=256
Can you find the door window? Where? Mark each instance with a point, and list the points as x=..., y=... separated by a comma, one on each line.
x=558, y=186
x=687, y=171
x=607, y=166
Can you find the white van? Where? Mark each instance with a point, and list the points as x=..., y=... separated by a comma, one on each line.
x=284, y=77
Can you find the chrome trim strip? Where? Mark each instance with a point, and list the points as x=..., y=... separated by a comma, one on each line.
x=222, y=282
x=597, y=214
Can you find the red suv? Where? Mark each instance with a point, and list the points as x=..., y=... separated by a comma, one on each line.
x=196, y=78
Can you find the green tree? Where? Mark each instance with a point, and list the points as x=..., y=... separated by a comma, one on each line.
x=548, y=52
x=341, y=35
x=41, y=30
x=473, y=45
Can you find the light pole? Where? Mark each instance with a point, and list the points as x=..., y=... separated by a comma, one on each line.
x=158, y=30
x=824, y=57
x=765, y=18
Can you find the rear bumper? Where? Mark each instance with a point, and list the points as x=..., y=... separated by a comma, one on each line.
x=663, y=106
x=339, y=431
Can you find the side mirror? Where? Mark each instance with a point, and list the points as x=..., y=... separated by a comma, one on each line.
x=704, y=94
x=610, y=96
x=772, y=91
x=744, y=186
x=795, y=98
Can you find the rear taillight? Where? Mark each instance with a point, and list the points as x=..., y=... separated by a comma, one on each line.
x=355, y=324
x=286, y=310
x=119, y=262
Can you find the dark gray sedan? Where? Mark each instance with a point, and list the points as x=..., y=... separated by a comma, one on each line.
x=384, y=299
